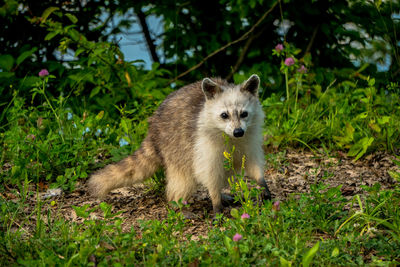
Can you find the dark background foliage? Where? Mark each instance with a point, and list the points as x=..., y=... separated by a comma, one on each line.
x=332, y=32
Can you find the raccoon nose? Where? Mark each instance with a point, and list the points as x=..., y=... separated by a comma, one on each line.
x=238, y=132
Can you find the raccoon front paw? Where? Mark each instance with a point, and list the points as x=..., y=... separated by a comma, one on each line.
x=217, y=209
x=265, y=194
x=227, y=200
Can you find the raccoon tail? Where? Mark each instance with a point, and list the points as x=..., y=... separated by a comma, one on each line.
x=133, y=169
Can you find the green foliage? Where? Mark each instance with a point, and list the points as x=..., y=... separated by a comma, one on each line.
x=310, y=228
x=96, y=76
x=334, y=33
x=375, y=211
x=70, y=39
x=92, y=109
x=353, y=115
x=51, y=143
x=55, y=126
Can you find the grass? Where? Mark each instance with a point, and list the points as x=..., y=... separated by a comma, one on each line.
x=51, y=144
x=54, y=131
x=304, y=229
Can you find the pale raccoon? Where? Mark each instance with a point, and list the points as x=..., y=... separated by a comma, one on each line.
x=186, y=138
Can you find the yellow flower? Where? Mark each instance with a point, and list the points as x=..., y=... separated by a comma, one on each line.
x=227, y=155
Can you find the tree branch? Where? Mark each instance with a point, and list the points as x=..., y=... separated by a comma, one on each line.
x=241, y=38
x=146, y=32
x=243, y=53
x=311, y=40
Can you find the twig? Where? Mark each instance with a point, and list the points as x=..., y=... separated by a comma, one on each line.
x=311, y=40
x=244, y=36
x=241, y=57
x=396, y=72
x=243, y=53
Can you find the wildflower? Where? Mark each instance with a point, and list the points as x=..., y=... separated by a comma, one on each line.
x=237, y=237
x=39, y=122
x=227, y=155
x=289, y=61
x=87, y=129
x=184, y=202
x=279, y=48
x=243, y=161
x=245, y=216
x=31, y=137
x=276, y=206
x=98, y=132
x=43, y=73
x=123, y=142
x=302, y=69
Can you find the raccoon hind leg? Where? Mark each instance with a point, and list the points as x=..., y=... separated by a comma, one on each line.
x=180, y=185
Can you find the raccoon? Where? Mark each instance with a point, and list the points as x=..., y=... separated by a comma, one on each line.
x=186, y=138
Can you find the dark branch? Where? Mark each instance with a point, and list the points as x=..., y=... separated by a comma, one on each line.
x=311, y=40
x=146, y=32
x=243, y=37
x=244, y=53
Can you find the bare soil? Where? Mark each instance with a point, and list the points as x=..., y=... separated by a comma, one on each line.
x=289, y=172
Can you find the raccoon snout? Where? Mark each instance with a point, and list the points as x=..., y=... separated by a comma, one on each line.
x=238, y=132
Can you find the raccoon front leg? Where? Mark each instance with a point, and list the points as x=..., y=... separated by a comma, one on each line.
x=256, y=172
x=213, y=180
x=255, y=169
x=209, y=170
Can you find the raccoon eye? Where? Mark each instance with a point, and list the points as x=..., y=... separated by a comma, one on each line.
x=224, y=115
x=244, y=114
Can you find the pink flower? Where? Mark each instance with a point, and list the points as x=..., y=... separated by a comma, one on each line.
x=43, y=73
x=245, y=216
x=302, y=69
x=237, y=237
x=184, y=202
x=276, y=206
x=289, y=61
x=31, y=137
x=279, y=48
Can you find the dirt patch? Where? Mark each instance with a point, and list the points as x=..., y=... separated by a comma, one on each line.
x=287, y=173
x=299, y=170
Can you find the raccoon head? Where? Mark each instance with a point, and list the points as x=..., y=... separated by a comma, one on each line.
x=232, y=108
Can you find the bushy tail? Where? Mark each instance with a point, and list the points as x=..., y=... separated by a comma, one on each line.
x=133, y=169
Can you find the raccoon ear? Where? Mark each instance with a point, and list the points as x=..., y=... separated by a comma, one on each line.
x=251, y=85
x=210, y=88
